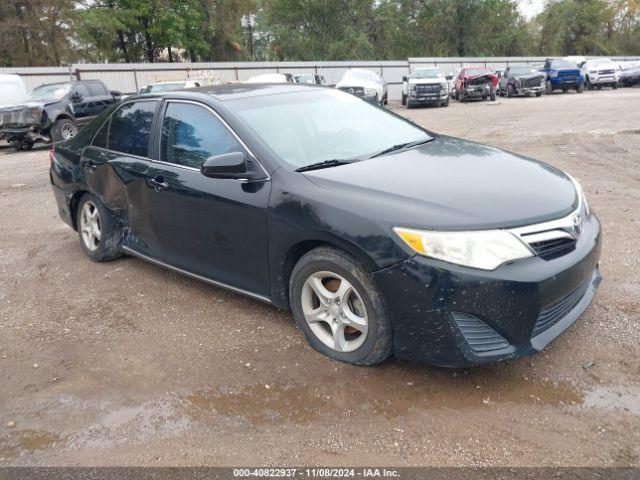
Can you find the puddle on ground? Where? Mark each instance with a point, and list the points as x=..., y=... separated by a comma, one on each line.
x=17, y=441
x=366, y=394
x=615, y=399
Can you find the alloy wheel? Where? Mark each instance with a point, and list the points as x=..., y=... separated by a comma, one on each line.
x=90, y=226
x=334, y=311
x=68, y=130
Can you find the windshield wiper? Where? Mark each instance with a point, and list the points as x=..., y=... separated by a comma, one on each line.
x=400, y=146
x=324, y=164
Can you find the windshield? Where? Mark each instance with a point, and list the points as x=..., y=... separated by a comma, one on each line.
x=557, y=64
x=362, y=75
x=163, y=87
x=523, y=70
x=313, y=126
x=470, y=72
x=50, y=92
x=426, y=74
x=306, y=78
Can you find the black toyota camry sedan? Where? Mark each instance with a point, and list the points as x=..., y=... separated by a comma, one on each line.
x=381, y=237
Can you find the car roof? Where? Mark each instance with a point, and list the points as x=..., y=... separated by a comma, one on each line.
x=237, y=90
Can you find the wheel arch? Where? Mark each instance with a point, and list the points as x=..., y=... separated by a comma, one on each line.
x=296, y=250
x=73, y=207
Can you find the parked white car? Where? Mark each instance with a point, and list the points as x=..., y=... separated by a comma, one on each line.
x=425, y=86
x=364, y=84
x=167, y=86
x=272, y=78
x=12, y=92
x=600, y=72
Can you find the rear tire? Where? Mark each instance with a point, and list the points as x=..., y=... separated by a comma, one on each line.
x=321, y=276
x=99, y=232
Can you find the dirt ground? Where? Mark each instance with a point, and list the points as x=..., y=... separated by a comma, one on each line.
x=125, y=363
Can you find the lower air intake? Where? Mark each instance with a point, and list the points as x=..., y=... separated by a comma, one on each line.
x=480, y=336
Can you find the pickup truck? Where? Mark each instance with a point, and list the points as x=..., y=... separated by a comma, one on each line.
x=54, y=112
x=562, y=74
x=425, y=86
x=600, y=72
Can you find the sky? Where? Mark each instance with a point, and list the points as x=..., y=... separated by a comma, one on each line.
x=530, y=8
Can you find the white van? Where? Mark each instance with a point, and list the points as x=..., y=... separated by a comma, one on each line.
x=12, y=90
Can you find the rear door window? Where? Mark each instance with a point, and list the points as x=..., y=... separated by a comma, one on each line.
x=97, y=89
x=192, y=133
x=131, y=127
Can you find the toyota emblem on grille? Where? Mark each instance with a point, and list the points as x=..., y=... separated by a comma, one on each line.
x=577, y=224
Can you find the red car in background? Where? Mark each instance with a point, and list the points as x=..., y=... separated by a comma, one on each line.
x=476, y=82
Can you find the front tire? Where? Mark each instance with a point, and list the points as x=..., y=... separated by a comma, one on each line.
x=580, y=88
x=510, y=91
x=548, y=88
x=338, y=308
x=404, y=99
x=99, y=232
x=63, y=129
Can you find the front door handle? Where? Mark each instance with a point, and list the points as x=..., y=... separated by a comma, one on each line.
x=158, y=184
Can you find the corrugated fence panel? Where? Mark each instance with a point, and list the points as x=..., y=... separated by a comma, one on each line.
x=129, y=78
x=35, y=76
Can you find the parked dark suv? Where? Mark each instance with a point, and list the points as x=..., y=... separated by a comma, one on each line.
x=55, y=112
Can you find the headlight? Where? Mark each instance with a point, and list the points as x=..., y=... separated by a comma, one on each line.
x=484, y=249
x=412, y=87
x=553, y=73
x=582, y=198
x=369, y=92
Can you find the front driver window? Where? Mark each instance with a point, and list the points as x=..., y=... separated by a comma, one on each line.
x=191, y=134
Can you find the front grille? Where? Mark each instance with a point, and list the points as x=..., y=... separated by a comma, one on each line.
x=553, y=248
x=358, y=91
x=428, y=89
x=532, y=82
x=480, y=336
x=605, y=72
x=551, y=315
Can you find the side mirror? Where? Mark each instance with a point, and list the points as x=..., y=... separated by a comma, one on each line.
x=448, y=77
x=76, y=97
x=227, y=165
x=115, y=94
x=405, y=78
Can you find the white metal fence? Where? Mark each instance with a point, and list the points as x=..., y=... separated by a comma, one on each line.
x=130, y=77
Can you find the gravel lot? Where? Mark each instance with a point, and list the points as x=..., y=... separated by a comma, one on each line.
x=125, y=363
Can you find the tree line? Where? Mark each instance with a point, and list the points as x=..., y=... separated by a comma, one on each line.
x=60, y=32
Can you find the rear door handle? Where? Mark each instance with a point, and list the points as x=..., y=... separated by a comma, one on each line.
x=158, y=184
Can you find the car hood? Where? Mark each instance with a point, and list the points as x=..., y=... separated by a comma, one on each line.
x=357, y=83
x=426, y=81
x=528, y=76
x=22, y=106
x=490, y=76
x=450, y=184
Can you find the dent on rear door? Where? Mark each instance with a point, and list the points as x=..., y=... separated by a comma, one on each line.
x=118, y=181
